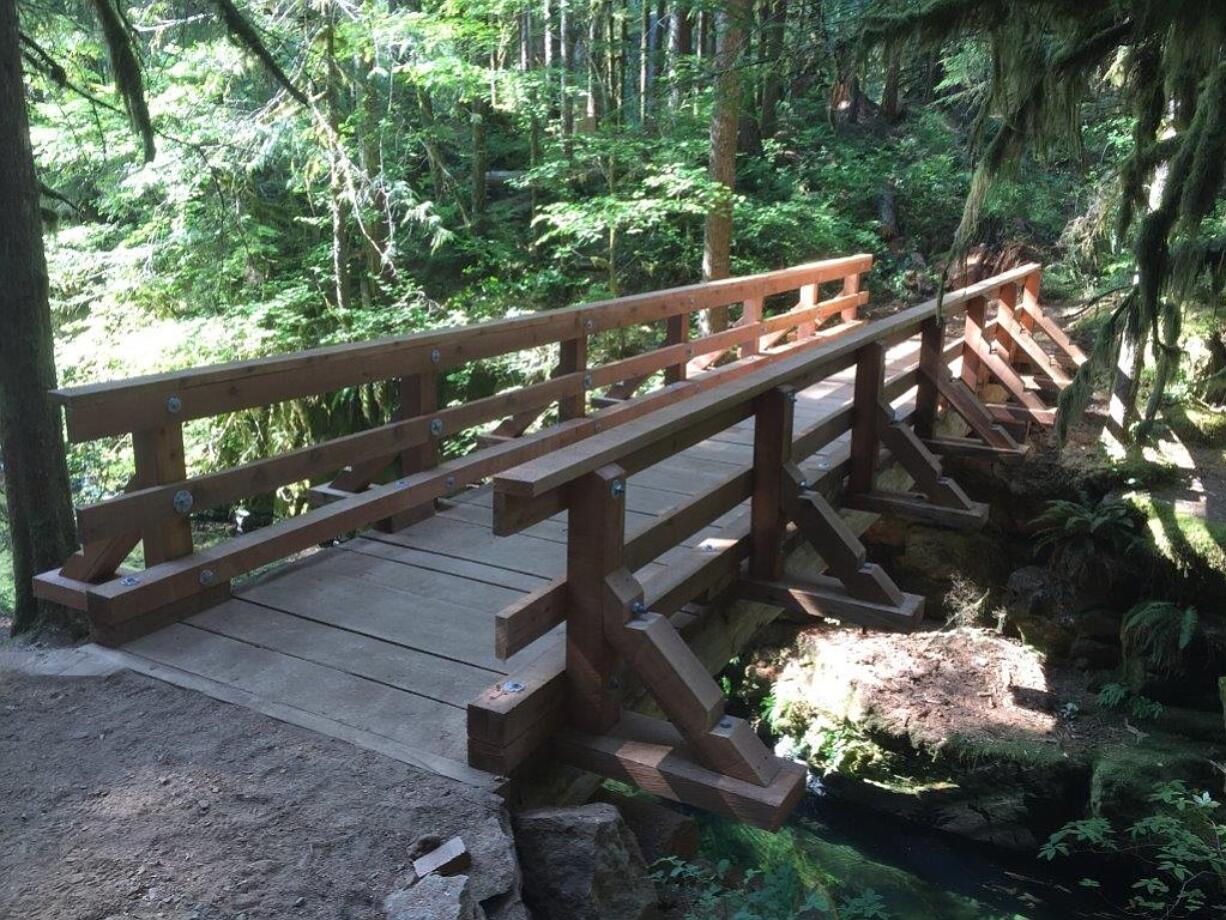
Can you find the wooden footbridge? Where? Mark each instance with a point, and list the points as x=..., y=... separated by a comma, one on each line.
x=476, y=614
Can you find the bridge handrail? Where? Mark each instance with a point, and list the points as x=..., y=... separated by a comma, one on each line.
x=156, y=506
x=119, y=406
x=734, y=402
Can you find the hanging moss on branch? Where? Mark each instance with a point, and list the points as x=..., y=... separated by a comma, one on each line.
x=1168, y=60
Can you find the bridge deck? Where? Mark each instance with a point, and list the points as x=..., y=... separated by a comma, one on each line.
x=383, y=640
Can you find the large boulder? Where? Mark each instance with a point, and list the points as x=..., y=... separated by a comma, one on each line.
x=582, y=864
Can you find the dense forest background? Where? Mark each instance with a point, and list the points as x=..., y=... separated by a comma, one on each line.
x=221, y=181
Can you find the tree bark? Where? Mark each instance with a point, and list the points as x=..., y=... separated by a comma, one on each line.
x=338, y=199
x=566, y=36
x=773, y=79
x=891, y=105
x=717, y=236
x=38, y=498
x=680, y=46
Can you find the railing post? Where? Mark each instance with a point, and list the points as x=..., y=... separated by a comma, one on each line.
x=808, y=298
x=972, y=367
x=932, y=345
x=1006, y=304
x=418, y=396
x=158, y=453
x=1030, y=299
x=851, y=285
x=772, y=448
x=595, y=545
x=751, y=315
x=870, y=380
x=573, y=360
x=677, y=332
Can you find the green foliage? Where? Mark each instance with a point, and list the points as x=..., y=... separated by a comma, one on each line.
x=1158, y=633
x=1084, y=535
x=776, y=895
x=1118, y=696
x=1179, y=847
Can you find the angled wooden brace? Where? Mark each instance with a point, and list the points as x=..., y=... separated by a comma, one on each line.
x=996, y=440
x=941, y=501
x=1014, y=337
x=683, y=688
x=860, y=592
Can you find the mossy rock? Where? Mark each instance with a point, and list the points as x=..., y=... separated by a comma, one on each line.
x=1124, y=776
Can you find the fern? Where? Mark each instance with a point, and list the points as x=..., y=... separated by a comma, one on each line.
x=1159, y=633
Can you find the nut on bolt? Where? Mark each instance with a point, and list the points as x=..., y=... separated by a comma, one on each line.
x=174, y=404
x=638, y=608
x=183, y=501
x=207, y=576
x=618, y=488
x=436, y=426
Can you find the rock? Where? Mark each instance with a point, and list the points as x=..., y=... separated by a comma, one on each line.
x=582, y=864
x=660, y=831
x=435, y=897
x=495, y=871
x=424, y=844
x=1037, y=610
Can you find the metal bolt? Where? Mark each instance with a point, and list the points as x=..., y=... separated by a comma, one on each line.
x=436, y=426
x=804, y=485
x=792, y=396
x=451, y=482
x=638, y=608
x=725, y=722
x=513, y=686
x=435, y=355
x=207, y=576
x=174, y=404
x=402, y=482
x=182, y=501
x=589, y=324
x=618, y=488
x=129, y=581
x=587, y=381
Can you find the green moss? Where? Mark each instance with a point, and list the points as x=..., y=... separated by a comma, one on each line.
x=1031, y=753
x=1190, y=545
x=1124, y=775
x=1195, y=425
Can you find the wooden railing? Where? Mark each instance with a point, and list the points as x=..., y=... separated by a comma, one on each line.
x=156, y=506
x=701, y=755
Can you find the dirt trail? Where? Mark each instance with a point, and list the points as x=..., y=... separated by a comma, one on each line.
x=125, y=797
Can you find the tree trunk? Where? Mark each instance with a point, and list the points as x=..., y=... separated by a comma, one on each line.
x=717, y=236
x=891, y=106
x=39, y=502
x=338, y=199
x=480, y=110
x=566, y=29
x=773, y=79
x=680, y=46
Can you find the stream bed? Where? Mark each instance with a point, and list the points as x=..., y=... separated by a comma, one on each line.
x=915, y=874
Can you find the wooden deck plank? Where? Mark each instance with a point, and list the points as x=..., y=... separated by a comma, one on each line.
x=434, y=562
x=438, y=679
x=435, y=731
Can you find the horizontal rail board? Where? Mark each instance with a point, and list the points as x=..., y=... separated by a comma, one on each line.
x=544, y=474
x=118, y=407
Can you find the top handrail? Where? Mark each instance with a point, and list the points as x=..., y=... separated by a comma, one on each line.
x=141, y=403
x=552, y=471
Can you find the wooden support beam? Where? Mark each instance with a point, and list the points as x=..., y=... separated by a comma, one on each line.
x=751, y=315
x=973, y=412
x=968, y=447
x=691, y=699
x=772, y=448
x=1009, y=379
x=677, y=332
x=159, y=459
x=808, y=300
x=596, y=527
x=920, y=463
x=522, y=623
x=851, y=285
x=1014, y=337
x=972, y=342
x=932, y=346
x=822, y=596
x=870, y=378
x=573, y=360
x=652, y=755
x=920, y=508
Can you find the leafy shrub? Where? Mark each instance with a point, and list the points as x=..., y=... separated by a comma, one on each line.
x=1158, y=633
x=1178, y=849
x=1083, y=537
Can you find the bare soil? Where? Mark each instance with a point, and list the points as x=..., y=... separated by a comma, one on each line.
x=125, y=797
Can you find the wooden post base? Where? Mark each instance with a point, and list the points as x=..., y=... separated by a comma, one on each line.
x=652, y=755
x=119, y=633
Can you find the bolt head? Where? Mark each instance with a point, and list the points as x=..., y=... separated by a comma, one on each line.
x=436, y=355
x=183, y=501
x=174, y=404
x=587, y=381
x=618, y=488
x=513, y=686
x=207, y=576
x=450, y=482
x=804, y=485
x=638, y=608
x=589, y=324
x=725, y=722
x=436, y=427
x=129, y=581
